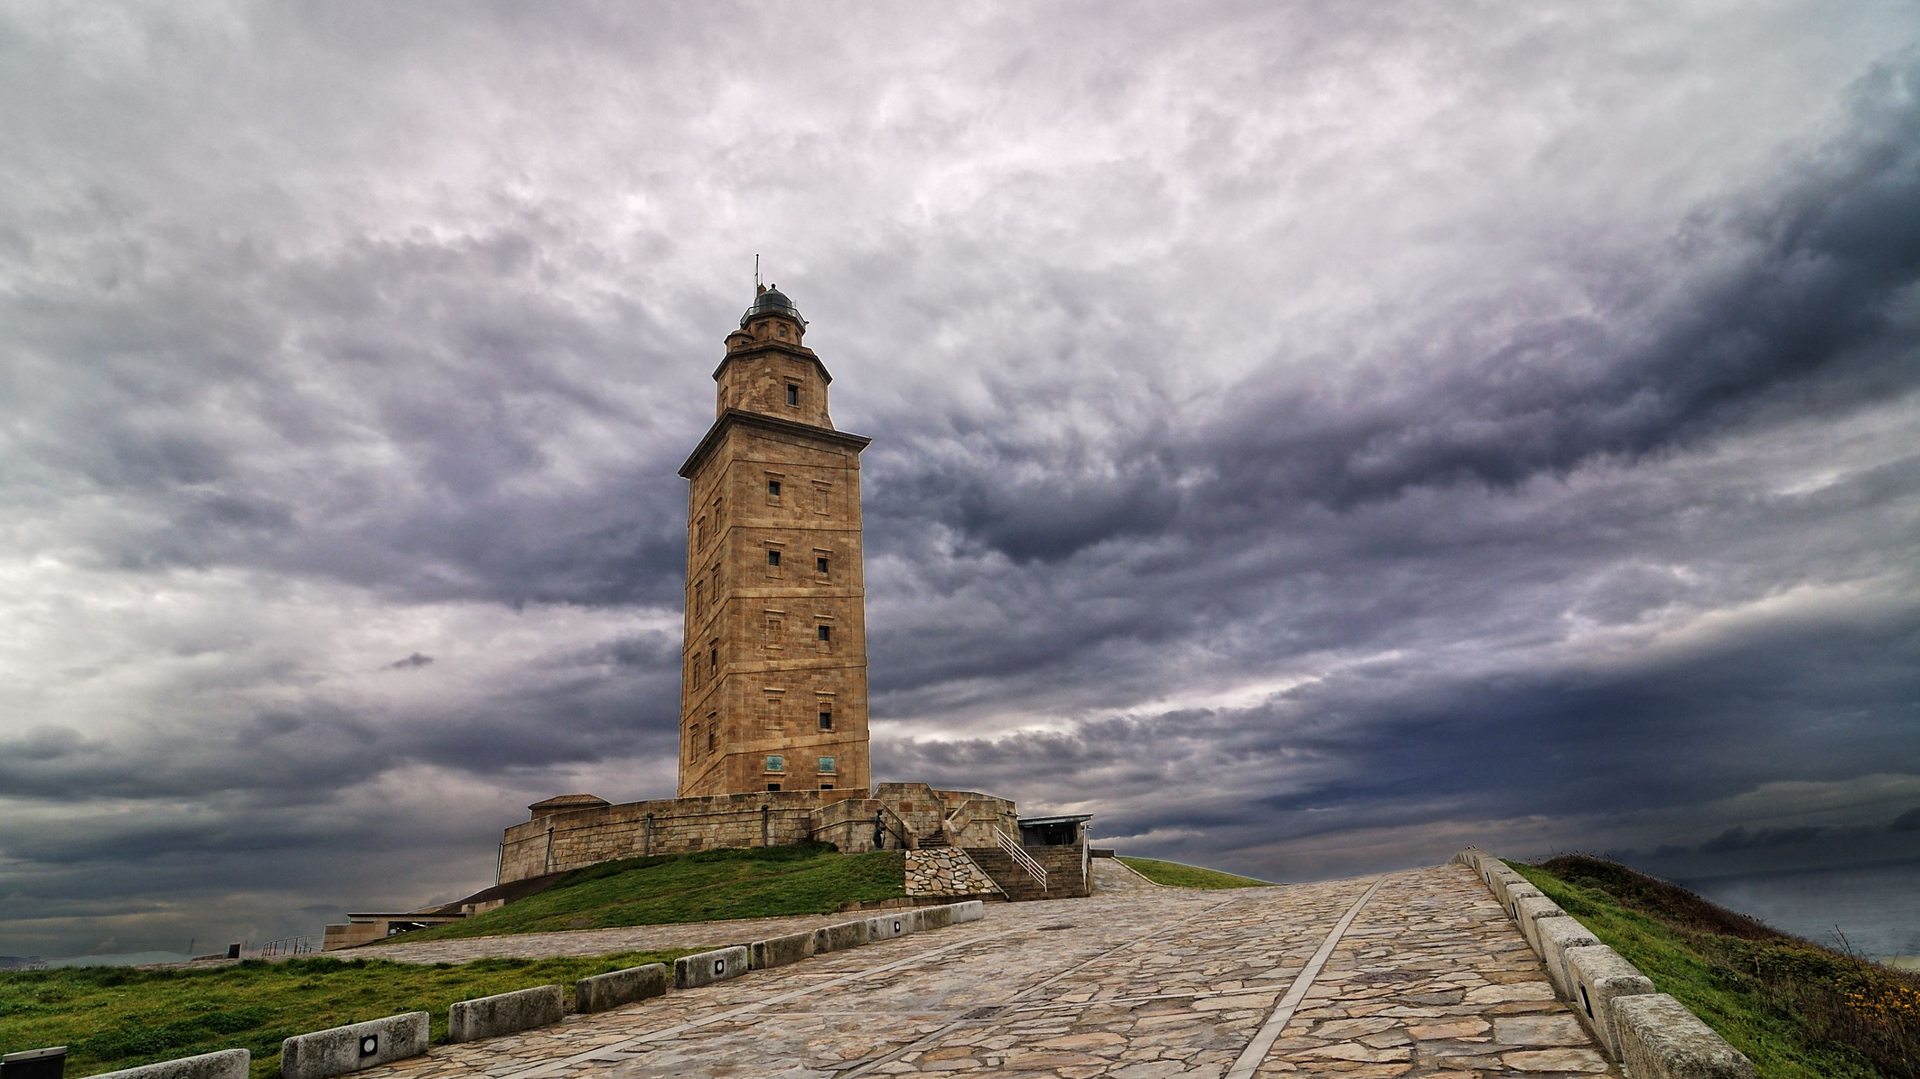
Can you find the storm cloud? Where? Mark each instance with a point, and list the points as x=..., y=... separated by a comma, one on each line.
x=1308, y=439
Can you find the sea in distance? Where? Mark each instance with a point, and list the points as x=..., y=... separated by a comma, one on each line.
x=1871, y=910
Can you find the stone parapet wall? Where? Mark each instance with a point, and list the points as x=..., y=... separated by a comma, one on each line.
x=946, y=871
x=575, y=839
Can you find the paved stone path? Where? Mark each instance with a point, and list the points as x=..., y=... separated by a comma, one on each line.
x=1414, y=974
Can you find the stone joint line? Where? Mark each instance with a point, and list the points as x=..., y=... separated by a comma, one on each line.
x=935, y=1038
x=1257, y=1049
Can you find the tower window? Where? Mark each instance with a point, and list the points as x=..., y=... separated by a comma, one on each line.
x=713, y=659
x=776, y=763
x=820, y=564
x=826, y=766
x=826, y=632
x=793, y=394
x=829, y=786
x=773, y=488
x=773, y=558
x=826, y=719
x=773, y=786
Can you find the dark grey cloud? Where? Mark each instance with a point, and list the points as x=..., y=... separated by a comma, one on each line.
x=1307, y=439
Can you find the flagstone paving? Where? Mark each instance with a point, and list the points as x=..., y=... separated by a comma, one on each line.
x=1413, y=974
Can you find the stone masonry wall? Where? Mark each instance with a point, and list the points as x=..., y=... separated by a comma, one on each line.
x=946, y=871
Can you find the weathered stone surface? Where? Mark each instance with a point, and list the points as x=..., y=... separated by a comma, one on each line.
x=779, y=951
x=225, y=1064
x=936, y=917
x=339, y=1050
x=614, y=988
x=946, y=871
x=1527, y=912
x=1554, y=936
x=970, y=911
x=1661, y=1039
x=888, y=926
x=706, y=968
x=833, y=938
x=505, y=1013
x=1601, y=977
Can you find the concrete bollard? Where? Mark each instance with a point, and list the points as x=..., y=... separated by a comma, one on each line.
x=616, y=987
x=1661, y=1039
x=779, y=951
x=1600, y=977
x=841, y=935
x=1527, y=912
x=705, y=968
x=1515, y=893
x=1556, y=935
x=354, y=1047
x=970, y=911
x=504, y=1013
x=225, y=1064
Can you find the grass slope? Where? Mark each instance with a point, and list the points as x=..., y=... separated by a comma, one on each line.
x=762, y=882
x=1181, y=875
x=1798, y=1010
x=119, y=1017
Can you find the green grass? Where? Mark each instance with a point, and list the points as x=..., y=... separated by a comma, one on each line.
x=1797, y=1010
x=1180, y=875
x=762, y=882
x=119, y=1017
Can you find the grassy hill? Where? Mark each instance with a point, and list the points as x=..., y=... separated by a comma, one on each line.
x=1798, y=1010
x=1181, y=875
x=762, y=882
x=119, y=1017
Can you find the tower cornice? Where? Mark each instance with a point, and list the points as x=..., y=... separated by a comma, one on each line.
x=800, y=352
x=740, y=417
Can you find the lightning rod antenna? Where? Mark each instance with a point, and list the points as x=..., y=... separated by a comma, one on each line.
x=756, y=271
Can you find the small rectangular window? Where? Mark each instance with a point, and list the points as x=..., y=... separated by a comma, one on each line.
x=776, y=763
x=793, y=394
x=773, y=786
x=829, y=786
x=826, y=633
x=773, y=558
x=826, y=719
x=826, y=766
x=820, y=565
x=713, y=659
x=773, y=488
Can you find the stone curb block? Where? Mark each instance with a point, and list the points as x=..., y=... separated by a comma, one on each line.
x=614, y=988
x=888, y=927
x=1556, y=935
x=779, y=951
x=225, y=1064
x=833, y=938
x=705, y=968
x=1661, y=1039
x=1600, y=977
x=1515, y=894
x=970, y=911
x=504, y=1013
x=354, y=1047
x=936, y=917
x=1527, y=912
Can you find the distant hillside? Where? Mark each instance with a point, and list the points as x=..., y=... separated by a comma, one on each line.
x=1798, y=1010
x=1181, y=875
x=761, y=882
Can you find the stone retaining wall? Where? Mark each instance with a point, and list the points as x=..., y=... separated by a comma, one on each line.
x=946, y=871
x=1652, y=1034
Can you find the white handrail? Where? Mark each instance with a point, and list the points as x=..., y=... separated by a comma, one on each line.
x=1021, y=858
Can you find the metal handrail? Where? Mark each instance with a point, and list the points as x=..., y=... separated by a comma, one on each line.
x=1021, y=858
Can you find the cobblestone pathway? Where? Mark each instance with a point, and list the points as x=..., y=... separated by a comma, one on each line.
x=1416, y=974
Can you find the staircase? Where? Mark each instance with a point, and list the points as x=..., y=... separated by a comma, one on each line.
x=934, y=840
x=1007, y=873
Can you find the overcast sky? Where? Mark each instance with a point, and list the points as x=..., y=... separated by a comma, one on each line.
x=1307, y=437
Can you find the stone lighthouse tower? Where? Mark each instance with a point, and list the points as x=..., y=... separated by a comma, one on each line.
x=773, y=690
